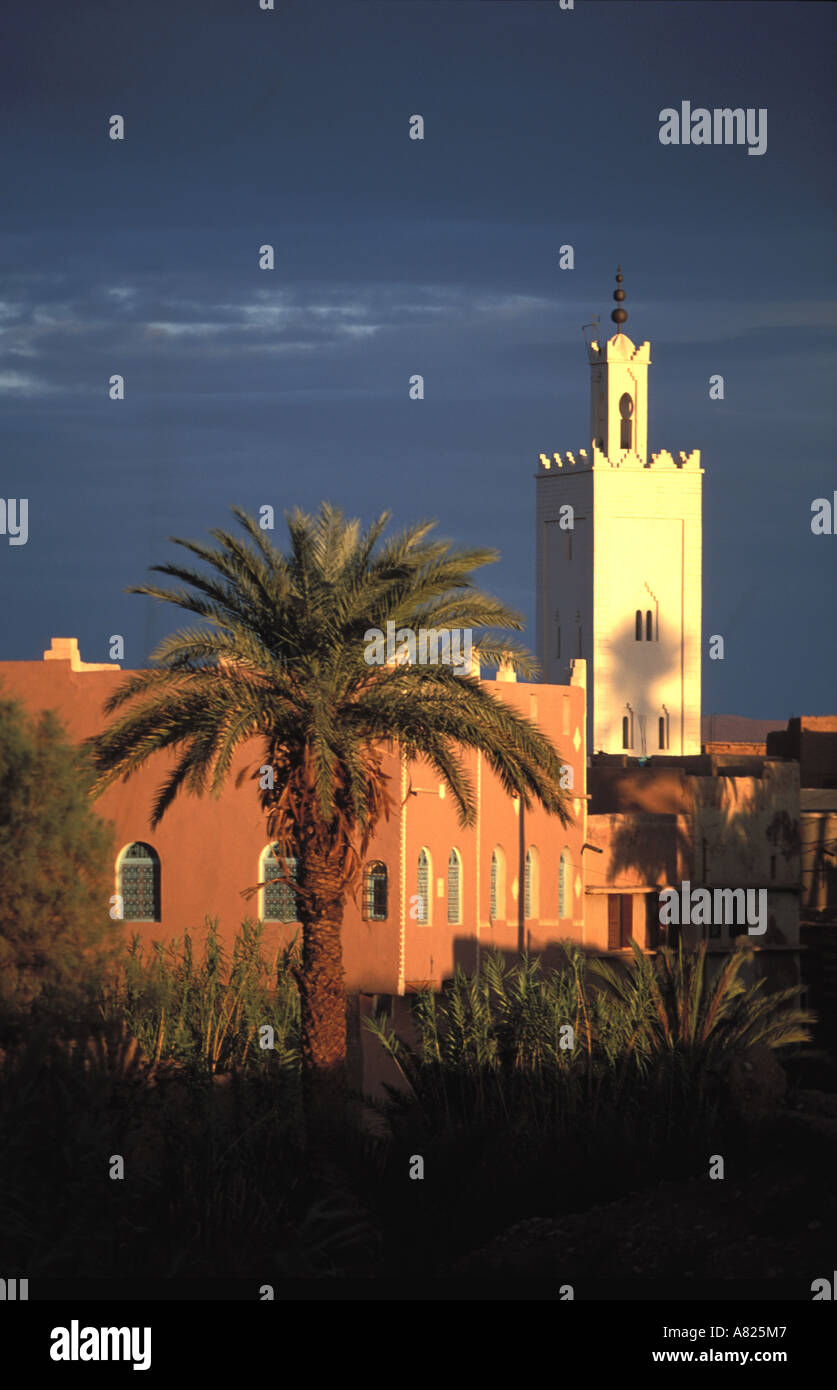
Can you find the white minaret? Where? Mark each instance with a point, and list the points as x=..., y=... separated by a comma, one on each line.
x=619, y=565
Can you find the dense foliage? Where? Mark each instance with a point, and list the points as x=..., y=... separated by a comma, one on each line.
x=55, y=864
x=510, y=1122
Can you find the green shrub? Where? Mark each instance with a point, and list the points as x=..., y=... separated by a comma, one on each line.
x=207, y=1013
x=650, y=1039
x=55, y=860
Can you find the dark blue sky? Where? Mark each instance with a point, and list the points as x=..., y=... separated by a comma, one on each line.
x=395, y=257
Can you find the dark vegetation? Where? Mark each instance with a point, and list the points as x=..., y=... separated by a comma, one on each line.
x=159, y=1060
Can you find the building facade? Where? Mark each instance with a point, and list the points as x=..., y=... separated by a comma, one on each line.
x=707, y=823
x=433, y=895
x=811, y=742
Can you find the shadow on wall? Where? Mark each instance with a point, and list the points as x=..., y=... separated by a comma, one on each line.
x=638, y=671
x=820, y=877
x=731, y=832
x=551, y=957
x=653, y=848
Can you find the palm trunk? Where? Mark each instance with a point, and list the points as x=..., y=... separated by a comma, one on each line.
x=321, y=982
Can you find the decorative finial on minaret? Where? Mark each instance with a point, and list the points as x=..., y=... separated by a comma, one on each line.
x=619, y=314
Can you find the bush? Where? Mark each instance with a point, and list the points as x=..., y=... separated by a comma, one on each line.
x=500, y=1106
x=55, y=858
x=207, y=1013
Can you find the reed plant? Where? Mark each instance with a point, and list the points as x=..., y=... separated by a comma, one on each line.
x=207, y=1011
x=650, y=1036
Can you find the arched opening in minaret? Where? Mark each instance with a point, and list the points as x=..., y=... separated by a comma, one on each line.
x=626, y=410
x=626, y=730
x=649, y=627
x=638, y=629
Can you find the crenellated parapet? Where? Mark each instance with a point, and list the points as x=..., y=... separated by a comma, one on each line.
x=596, y=458
x=663, y=459
x=567, y=460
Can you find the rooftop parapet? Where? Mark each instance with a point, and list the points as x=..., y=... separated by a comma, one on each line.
x=598, y=459
x=663, y=459
x=66, y=649
x=565, y=460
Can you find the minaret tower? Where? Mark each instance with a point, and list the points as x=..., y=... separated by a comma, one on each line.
x=619, y=564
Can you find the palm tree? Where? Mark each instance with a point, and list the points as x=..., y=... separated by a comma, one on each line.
x=281, y=657
x=672, y=1006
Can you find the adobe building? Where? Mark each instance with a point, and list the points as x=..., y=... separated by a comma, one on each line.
x=708, y=823
x=433, y=895
x=739, y=747
x=811, y=742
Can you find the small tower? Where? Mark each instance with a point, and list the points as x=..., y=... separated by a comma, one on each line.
x=619, y=390
x=619, y=564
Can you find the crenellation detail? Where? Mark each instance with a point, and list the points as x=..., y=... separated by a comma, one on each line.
x=565, y=461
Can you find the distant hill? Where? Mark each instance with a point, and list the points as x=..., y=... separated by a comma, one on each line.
x=737, y=728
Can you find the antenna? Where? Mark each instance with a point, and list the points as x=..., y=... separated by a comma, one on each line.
x=596, y=325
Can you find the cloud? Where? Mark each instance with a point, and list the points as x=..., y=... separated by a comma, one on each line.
x=180, y=330
x=21, y=384
x=80, y=331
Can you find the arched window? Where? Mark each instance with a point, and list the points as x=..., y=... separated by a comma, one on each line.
x=564, y=884
x=649, y=626
x=638, y=628
x=626, y=731
x=626, y=410
x=454, y=888
x=138, y=879
x=497, y=897
x=375, y=892
x=531, y=907
x=423, y=881
x=278, y=899
x=662, y=731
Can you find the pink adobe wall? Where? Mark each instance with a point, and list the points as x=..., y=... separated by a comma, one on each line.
x=432, y=952
x=209, y=849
